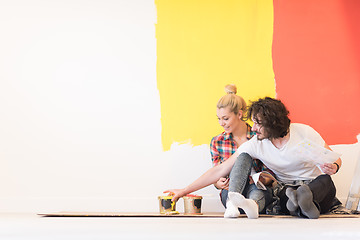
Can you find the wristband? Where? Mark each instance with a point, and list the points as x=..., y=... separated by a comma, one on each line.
x=337, y=167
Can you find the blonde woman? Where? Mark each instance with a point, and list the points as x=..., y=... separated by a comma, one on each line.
x=230, y=112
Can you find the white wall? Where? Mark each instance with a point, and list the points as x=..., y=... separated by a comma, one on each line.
x=350, y=159
x=80, y=111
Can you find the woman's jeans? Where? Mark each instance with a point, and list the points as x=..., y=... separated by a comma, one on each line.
x=239, y=182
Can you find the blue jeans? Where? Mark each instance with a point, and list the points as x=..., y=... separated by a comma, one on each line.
x=239, y=182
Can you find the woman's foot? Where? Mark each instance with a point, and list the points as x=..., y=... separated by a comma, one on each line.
x=249, y=206
x=231, y=210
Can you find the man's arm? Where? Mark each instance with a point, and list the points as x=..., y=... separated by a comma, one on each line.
x=209, y=177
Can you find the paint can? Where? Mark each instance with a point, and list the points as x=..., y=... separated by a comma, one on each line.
x=166, y=205
x=192, y=204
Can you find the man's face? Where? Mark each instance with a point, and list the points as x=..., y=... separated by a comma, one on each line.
x=258, y=128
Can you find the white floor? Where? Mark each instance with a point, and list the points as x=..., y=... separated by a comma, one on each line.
x=31, y=226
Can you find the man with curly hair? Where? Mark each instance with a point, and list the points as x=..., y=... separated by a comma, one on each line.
x=308, y=188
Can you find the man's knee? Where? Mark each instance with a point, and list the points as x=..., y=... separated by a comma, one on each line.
x=325, y=180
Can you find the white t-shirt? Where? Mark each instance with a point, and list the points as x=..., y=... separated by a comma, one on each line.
x=284, y=162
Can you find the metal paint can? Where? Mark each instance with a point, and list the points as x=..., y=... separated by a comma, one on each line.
x=166, y=205
x=192, y=204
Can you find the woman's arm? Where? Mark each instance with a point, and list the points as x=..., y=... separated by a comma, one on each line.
x=209, y=177
x=222, y=183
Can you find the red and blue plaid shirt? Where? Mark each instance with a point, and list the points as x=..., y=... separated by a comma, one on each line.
x=223, y=146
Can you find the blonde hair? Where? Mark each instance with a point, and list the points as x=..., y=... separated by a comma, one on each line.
x=235, y=102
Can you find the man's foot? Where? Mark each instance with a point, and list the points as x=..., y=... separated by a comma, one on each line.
x=249, y=206
x=292, y=204
x=306, y=203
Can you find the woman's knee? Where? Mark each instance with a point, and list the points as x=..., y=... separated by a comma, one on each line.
x=244, y=158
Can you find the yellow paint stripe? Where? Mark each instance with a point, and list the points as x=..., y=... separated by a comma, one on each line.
x=202, y=45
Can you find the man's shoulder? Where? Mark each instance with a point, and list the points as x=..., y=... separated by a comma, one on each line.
x=251, y=142
x=253, y=146
x=300, y=126
x=303, y=130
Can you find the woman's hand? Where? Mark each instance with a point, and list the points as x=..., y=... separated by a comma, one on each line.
x=222, y=183
x=176, y=193
x=329, y=168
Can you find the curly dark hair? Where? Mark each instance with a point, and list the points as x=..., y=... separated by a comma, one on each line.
x=272, y=115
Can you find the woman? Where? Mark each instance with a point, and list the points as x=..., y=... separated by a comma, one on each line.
x=230, y=112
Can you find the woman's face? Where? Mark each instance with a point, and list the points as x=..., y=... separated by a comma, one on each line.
x=227, y=119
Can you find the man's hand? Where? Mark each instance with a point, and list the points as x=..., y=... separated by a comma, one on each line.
x=329, y=168
x=222, y=183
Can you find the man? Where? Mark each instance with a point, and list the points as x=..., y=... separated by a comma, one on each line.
x=309, y=189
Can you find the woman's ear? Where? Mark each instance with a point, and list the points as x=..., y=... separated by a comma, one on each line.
x=240, y=114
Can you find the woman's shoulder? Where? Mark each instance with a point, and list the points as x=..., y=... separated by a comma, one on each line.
x=220, y=137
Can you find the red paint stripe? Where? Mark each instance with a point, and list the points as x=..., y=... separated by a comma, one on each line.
x=316, y=58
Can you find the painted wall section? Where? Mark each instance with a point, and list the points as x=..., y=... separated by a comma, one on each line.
x=316, y=55
x=201, y=47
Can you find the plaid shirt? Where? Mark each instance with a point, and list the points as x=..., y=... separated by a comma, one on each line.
x=223, y=146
